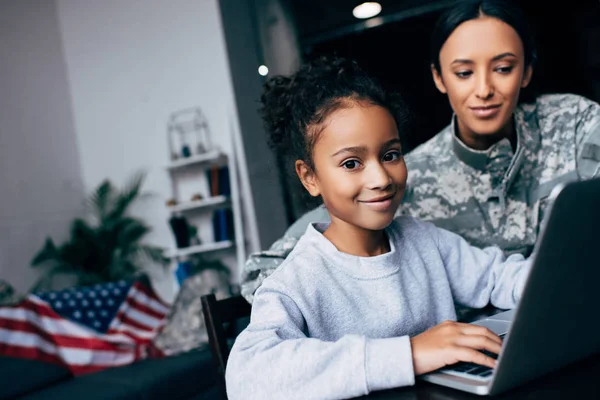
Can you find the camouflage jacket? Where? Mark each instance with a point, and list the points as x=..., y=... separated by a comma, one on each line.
x=492, y=197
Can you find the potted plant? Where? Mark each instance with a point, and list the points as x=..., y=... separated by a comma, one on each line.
x=106, y=246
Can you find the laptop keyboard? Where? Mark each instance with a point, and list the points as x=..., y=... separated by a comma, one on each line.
x=471, y=370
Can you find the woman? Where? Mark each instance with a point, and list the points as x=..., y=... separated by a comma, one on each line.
x=488, y=174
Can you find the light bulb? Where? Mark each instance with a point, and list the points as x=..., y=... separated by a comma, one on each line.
x=263, y=70
x=366, y=10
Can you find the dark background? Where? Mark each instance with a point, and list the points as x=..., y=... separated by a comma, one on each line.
x=397, y=51
x=394, y=46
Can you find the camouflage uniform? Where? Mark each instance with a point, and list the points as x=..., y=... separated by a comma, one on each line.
x=493, y=197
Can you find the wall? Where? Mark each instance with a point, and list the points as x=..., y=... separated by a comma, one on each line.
x=281, y=52
x=245, y=50
x=132, y=63
x=40, y=182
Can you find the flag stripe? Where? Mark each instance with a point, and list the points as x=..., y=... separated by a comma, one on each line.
x=32, y=353
x=74, y=356
x=18, y=328
x=142, y=295
x=146, y=308
x=143, y=321
x=138, y=334
x=54, y=326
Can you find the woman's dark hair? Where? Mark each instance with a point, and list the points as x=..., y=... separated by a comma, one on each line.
x=293, y=108
x=506, y=11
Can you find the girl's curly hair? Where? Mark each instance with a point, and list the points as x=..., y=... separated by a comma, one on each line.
x=294, y=108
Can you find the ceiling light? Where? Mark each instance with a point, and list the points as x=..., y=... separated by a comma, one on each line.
x=366, y=10
x=263, y=70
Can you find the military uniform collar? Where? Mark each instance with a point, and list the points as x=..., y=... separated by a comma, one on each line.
x=481, y=159
x=499, y=160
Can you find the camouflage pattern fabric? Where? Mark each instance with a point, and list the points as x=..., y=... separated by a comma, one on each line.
x=492, y=197
x=185, y=329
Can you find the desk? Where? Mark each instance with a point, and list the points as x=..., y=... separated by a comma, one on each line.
x=580, y=380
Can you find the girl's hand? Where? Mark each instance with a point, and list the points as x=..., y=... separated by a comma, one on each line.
x=451, y=342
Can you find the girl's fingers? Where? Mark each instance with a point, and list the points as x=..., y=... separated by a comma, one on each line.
x=470, y=329
x=474, y=356
x=479, y=342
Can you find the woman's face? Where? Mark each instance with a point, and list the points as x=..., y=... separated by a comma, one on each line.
x=482, y=71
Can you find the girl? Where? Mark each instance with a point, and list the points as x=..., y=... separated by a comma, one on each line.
x=362, y=303
x=486, y=176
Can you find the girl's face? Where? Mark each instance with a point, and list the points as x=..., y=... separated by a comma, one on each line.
x=359, y=168
x=483, y=70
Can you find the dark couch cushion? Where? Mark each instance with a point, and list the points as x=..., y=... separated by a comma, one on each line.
x=20, y=376
x=213, y=393
x=177, y=377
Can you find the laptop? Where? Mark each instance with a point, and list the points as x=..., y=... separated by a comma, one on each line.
x=556, y=321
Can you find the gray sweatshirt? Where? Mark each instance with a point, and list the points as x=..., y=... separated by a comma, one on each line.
x=330, y=325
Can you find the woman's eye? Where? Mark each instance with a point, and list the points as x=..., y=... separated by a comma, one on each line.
x=504, y=70
x=464, y=74
x=350, y=164
x=392, y=156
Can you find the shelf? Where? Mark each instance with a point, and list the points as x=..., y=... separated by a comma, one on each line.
x=202, y=248
x=196, y=159
x=200, y=204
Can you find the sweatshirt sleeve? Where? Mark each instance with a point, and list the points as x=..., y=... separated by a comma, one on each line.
x=273, y=358
x=480, y=276
x=262, y=264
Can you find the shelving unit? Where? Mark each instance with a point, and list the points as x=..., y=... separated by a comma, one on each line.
x=209, y=157
x=204, y=204
x=205, y=193
x=202, y=248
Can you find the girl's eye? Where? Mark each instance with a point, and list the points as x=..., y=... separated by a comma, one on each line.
x=504, y=70
x=350, y=164
x=464, y=74
x=392, y=156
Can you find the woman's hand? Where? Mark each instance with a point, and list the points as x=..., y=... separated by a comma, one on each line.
x=451, y=342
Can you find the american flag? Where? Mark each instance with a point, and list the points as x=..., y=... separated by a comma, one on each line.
x=86, y=329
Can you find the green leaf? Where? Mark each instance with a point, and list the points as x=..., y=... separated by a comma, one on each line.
x=130, y=230
x=101, y=199
x=127, y=196
x=47, y=253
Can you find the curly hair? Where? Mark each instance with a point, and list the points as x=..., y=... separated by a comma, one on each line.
x=294, y=108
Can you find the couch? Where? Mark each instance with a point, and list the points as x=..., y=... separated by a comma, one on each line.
x=190, y=375
x=187, y=374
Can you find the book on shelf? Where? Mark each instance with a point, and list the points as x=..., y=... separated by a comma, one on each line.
x=218, y=181
x=222, y=221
